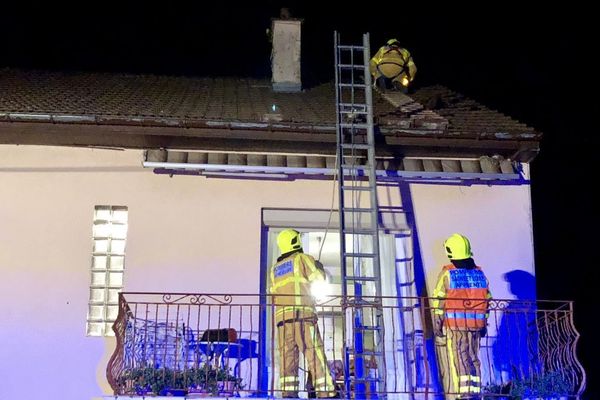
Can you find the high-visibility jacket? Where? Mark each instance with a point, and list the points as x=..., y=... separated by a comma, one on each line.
x=394, y=63
x=461, y=297
x=290, y=283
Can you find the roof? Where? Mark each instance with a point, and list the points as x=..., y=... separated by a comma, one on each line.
x=240, y=114
x=468, y=117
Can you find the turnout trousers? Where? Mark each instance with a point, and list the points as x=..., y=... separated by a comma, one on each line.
x=302, y=335
x=464, y=367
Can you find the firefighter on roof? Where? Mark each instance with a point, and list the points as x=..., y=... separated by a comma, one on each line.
x=393, y=67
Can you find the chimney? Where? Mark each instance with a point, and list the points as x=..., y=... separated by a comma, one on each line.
x=285, y=56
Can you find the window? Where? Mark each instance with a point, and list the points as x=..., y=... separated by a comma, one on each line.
x=109, y=232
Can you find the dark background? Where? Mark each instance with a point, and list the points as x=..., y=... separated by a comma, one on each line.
x=537, y=66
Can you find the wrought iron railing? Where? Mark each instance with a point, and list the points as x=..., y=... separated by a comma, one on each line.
x=227, y=345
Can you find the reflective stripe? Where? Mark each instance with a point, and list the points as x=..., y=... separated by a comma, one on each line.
x=469, y=389
x=453, y=372
x=465, y=315
x=314, y=276
x=297, y=280
x=290, y=378
x=489, y=296
x=313, y=268
x=289, y=383
x=438, y=292
x=272, y=289
x=472, y=379
x=285, y=281
x=321, y=357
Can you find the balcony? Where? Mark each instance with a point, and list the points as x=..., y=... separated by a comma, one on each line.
x=199, y=345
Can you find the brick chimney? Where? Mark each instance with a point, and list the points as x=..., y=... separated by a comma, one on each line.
x=285, y=56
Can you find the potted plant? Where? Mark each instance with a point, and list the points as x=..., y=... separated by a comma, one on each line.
x=215, y=381
x=203, y=381
x=549, y=386
x=148, y=380
x=227, y=384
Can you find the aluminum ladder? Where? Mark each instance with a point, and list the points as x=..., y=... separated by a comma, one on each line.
x=358, y=225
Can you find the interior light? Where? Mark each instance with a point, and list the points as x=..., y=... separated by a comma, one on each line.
x=321, y=289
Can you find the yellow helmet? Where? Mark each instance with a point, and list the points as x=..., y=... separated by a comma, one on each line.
x=393, y=42
x=458, y=247
x=289, y=240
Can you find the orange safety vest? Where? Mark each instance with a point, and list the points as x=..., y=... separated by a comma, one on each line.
x=465, y=294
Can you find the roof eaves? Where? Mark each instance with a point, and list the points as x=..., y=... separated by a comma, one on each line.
x=165, y=122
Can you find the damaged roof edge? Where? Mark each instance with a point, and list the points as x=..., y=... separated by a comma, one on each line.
x=243, y=126
x=150, y=137
x=161, y=122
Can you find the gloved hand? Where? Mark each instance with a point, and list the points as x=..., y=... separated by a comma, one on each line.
x=319, y=265
x=438, y=325
x=483, y=331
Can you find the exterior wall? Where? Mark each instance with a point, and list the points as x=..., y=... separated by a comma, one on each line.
x=186, y=234
x=497, y=220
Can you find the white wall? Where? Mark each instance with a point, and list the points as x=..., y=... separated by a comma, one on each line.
x=186, y=234
x=496, y=219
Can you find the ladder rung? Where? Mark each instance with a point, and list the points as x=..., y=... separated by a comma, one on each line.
x=361, y=255
x=349, y=47
x=352, y=85
x=358, y=188
x=366, y=379
x=401, y=234
x=354, y=105
x=353, y=112
x=357, y=66
x=368, y=353
x=355, y=126
x=359, y=210
x=368, y=328
x=356, y=146
x=355, y=166
x=361, y=278
x=359, y=231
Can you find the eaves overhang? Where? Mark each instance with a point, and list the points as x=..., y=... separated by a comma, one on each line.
x=140, y=133
x=483, y=170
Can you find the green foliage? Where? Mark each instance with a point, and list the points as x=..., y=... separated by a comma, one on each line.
x=550, y=385
x=206, y=378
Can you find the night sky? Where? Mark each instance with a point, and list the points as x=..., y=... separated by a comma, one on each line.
x=535, y=66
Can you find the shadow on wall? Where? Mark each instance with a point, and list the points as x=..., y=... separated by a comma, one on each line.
x=515, y=348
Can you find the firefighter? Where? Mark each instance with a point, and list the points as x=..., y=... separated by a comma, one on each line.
x=460, y=308
x=392, y=67
x=296, y=317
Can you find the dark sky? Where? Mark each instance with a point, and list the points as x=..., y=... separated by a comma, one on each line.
x=533, y=65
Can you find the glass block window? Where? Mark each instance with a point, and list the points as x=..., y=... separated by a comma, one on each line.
x=109, y=233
